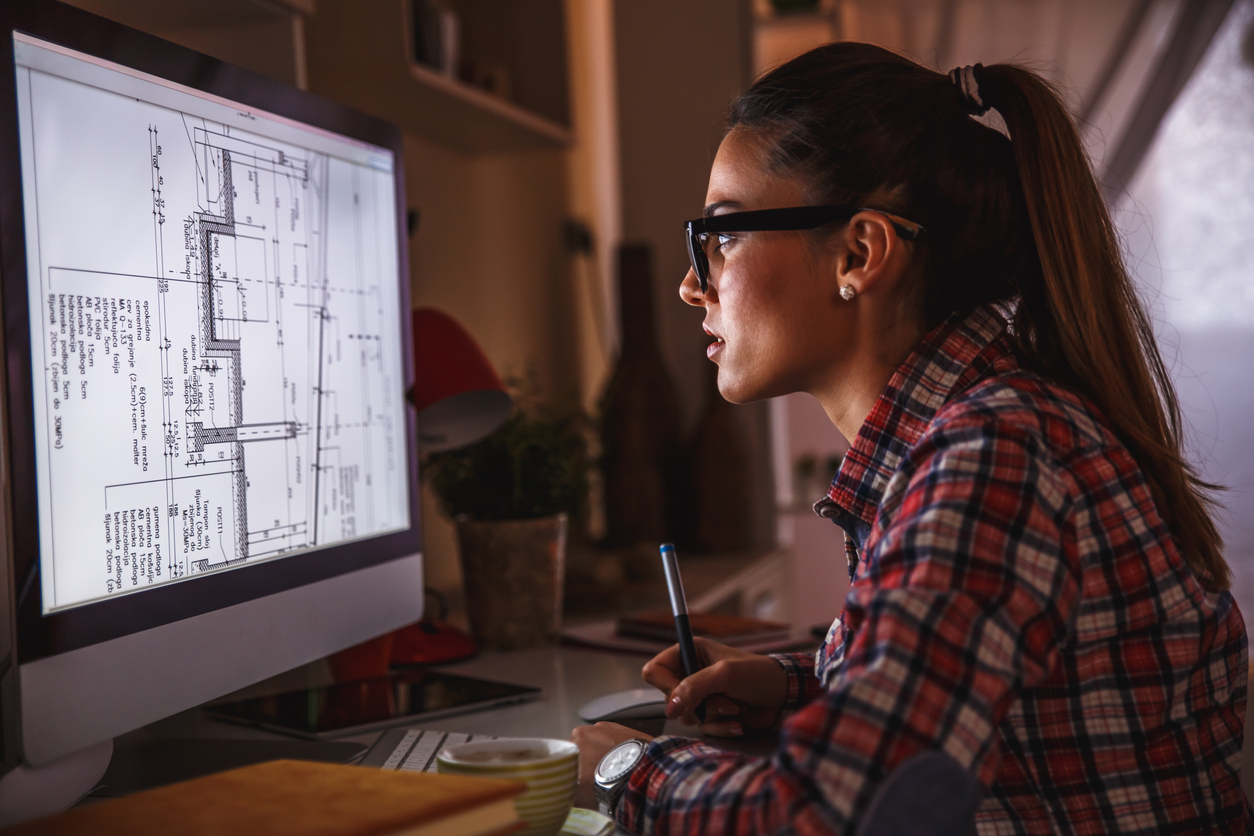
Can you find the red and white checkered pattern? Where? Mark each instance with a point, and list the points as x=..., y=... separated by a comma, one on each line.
x=1019, y=604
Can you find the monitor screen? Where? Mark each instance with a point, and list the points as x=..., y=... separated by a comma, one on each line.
x=208, y=467
x=214, y=313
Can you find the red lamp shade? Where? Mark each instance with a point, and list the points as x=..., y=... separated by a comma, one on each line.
x=459, y=397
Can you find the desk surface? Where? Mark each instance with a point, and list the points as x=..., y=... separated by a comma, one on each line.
x=569, y=677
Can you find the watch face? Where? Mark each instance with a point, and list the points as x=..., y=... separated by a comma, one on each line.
x=620, y=760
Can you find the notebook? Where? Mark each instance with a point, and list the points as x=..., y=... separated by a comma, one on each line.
x=300, y=797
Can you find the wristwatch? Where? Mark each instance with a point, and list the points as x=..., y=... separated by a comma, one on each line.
x=612, y=773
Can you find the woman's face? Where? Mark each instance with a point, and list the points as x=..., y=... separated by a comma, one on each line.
x=773, y=304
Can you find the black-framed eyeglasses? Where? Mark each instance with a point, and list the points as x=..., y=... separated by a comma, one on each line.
x=791, y=219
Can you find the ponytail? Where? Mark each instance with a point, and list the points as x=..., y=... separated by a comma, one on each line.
x=1084, y=324
x=1017, y=223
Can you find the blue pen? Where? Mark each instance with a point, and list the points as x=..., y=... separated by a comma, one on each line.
x=679, y=606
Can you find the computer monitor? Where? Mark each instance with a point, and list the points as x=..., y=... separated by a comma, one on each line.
x=209, y=460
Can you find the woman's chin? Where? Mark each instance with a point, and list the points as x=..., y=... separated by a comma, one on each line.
x=740, y=388
x=736, y=390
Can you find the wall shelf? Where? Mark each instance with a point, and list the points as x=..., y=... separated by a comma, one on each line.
x=163, y=15
x=446, y=110
x=259, y=35
x=358, y=54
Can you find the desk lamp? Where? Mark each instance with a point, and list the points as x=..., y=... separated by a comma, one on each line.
x=459, y=396
x=460, y=400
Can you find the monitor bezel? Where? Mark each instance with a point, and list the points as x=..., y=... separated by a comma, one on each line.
x=38, y=635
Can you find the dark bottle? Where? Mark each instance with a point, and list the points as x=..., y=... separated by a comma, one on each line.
x=725, y=473
x=642, y=452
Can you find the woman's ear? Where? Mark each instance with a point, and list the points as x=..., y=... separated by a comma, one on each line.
x=870, y=256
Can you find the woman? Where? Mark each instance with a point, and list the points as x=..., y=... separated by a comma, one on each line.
x=1038, y=590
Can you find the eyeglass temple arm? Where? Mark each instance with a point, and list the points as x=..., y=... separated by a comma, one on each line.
x=802, y=217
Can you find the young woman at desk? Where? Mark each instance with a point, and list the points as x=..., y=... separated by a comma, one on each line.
x=1038, y=589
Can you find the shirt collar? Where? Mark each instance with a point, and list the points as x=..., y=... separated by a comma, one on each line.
x=946, y=361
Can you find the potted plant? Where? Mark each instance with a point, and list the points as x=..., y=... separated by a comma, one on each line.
x=510, y=496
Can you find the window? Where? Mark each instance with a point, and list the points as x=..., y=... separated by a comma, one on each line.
x=1188, y=225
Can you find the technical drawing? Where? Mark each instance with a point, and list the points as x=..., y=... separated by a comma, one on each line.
x=247, y=303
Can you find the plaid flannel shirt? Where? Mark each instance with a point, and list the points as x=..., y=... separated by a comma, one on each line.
x=1019, y=604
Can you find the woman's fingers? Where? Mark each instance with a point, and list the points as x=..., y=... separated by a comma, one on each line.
x=668, y=666
x=707, y=651
x=726, y=728
x=688, y=694
x=717, y=705
x=736, y=687
x=665, y=670
x=662, y=679
x=720, y=714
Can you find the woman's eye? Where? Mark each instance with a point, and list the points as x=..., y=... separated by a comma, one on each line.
x=721, y=239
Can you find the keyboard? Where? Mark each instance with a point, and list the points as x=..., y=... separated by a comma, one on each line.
x=414, y=750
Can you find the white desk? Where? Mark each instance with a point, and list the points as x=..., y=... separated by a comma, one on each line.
x=569, y=677
x=192, y=742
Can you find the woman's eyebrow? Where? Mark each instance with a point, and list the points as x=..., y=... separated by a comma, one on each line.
x=721, y=204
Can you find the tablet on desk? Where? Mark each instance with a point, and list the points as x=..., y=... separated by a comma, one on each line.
x=353, y=707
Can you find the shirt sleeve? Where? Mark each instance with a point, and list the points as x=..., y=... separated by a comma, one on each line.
x=803, y=683
x=966, y=598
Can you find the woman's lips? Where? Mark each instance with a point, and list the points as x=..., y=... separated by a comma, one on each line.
x=716, y=346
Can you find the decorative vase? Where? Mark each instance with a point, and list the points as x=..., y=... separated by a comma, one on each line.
x=640, y=435
x=731, y=496
x=513, y=572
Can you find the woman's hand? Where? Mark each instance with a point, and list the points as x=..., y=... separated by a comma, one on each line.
x=594, y=743
x=742, y=691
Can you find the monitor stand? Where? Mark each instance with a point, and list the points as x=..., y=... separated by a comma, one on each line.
x=28, y=792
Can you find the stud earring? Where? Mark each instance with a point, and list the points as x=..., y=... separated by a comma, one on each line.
x=847, y=292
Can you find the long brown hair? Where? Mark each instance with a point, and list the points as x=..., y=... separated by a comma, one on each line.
x=1018, y=222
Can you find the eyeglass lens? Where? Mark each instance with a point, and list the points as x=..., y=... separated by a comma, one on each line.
x=704, y=256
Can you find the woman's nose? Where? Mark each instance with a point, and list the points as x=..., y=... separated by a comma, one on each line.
x=690, y=290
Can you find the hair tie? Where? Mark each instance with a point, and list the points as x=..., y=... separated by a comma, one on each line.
x=964, y=79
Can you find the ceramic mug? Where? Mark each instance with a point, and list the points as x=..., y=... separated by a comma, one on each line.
x=550, y=769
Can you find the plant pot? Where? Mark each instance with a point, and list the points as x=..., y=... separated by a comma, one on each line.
x=513, y=572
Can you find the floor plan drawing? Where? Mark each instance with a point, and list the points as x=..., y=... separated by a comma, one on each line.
x=217, y=329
